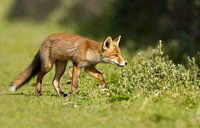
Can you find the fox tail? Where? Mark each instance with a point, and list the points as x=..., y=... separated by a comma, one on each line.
x=27, y=74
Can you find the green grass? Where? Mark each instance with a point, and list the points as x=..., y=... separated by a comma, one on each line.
x=149, y=92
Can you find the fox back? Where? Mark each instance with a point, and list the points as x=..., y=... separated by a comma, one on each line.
x=83, y=51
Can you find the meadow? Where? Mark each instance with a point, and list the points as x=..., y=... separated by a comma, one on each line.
x=151, y=91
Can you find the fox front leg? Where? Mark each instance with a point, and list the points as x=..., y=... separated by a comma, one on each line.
x=75, y=76
x=98, y=75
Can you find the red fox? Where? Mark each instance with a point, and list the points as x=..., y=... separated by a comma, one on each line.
x=84, y=53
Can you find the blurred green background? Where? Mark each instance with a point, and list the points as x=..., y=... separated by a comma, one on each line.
x=151, y=91
x=140, y=22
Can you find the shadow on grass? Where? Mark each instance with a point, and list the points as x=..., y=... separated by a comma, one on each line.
x=26, y=93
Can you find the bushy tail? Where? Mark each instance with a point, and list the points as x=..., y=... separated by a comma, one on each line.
x=27, y=74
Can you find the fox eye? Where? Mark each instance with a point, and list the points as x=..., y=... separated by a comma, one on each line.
x=115, y=55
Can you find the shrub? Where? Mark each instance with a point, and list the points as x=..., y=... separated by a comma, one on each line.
x=156, y=76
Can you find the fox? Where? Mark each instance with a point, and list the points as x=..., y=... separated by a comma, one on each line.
x=59, y=48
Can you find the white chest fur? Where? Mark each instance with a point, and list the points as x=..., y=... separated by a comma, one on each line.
x=92, y=58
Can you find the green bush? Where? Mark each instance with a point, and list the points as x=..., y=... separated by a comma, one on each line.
x=156, y=76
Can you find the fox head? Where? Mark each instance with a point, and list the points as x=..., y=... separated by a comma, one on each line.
x=110, y=52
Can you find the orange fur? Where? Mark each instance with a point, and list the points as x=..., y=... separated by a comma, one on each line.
x=83, y=52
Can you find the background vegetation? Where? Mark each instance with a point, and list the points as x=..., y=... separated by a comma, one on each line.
x=140, y=22
x=158, y=88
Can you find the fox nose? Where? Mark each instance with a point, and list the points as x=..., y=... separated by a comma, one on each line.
x=126, y=63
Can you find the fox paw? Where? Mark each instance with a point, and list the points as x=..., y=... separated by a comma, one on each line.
x=63, y=94
x=105, y=91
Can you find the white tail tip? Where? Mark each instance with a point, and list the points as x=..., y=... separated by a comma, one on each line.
x=12, y=88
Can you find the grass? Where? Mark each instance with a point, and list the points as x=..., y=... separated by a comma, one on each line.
x=150, y=92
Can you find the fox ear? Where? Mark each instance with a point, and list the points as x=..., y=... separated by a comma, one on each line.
x=106, y=43
x=117, y=40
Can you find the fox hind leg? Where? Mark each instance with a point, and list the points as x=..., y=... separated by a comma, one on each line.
x=45, y=68
x=38, y=89
x=60, y=67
